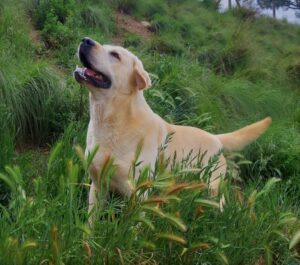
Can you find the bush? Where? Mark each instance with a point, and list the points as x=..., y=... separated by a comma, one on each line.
x=228, y=60
x=98, y=17
x=55, y=34
x=39, y=10
x=147, y=9
x=293, y=72
x=232, y=59
x=52, y=17
x=244, y=13
x=167, y=45
x=212, y=4
x=126, y=6
x=163, y=23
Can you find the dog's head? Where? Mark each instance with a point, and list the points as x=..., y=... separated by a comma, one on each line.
x=110, y=69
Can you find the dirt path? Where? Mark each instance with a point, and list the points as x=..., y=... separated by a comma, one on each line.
x=128, y=24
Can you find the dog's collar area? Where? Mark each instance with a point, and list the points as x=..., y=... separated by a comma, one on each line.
x=95, y=78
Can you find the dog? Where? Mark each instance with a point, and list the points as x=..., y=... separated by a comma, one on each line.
x=120, y=118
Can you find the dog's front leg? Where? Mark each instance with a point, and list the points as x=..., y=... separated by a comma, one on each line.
x=97, y=195
x=96, y=202
x=92, y=201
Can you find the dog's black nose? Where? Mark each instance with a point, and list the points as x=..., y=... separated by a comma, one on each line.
x=88, y=42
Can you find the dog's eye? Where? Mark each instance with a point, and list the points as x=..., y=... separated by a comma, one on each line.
x=116, y=55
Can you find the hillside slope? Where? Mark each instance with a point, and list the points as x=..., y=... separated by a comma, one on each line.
x=216, y=71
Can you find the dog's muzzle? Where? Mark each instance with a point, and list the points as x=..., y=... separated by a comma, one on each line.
x=89, y=74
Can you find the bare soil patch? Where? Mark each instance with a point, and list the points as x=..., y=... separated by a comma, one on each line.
x=129, y=24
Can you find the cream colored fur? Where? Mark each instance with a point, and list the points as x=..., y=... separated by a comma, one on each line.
x=120, y=118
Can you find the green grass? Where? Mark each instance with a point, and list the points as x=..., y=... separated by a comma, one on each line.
x=187, y=227
x=214, y=71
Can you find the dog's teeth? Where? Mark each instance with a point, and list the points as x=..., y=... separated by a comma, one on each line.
x=100, y=77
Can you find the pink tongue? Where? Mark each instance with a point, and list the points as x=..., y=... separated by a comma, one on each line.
x=90, y=72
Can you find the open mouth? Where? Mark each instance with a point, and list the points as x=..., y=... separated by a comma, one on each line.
x=89, y=74
x=95, y=78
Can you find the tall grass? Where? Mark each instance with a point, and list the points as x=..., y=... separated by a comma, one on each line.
x=176, y=224
x=214, y=71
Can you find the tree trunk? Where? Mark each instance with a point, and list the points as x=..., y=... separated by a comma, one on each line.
x=274, y=9
x=238, y=3
x=217, y=4
x=229, y=4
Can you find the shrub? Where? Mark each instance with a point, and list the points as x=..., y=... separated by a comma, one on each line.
x=141, y=8
x=293, y=72
x=56, y=34
x=244, y=13
x=52, y=17
x=232, y=59
x=98, y=17
x=228, y=60
x=39, y=10
x=126, y=6
x=163, y=23
x=167, y=45
x=147, y=9
x=212, y=4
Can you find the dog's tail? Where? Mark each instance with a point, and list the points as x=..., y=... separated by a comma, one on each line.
x=237, y=140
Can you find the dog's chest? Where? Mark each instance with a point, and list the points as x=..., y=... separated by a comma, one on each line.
x=121, y=145
x=111, y=142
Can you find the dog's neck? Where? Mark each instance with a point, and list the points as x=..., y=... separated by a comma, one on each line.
x=118, y=111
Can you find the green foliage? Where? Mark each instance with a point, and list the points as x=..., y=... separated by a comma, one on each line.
x=40, y=9
x=98, y=17
x=244, y=13
x=165, y=45
x=215, y=71
x=52, y=17
x=126, y=6
x=6, y=138
x=163, y=23
x=177, y=223
x=147, y=9
x=213, y=4
x=55, y=33
x=294, y=73
x=132, y=40
x=38, y=108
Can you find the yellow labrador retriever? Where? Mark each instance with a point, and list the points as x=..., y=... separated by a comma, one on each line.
x=120, y=118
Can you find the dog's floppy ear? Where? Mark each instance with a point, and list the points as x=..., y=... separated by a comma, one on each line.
x=141, y=77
